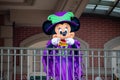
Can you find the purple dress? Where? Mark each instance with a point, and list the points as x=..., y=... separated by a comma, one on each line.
x=60, y=66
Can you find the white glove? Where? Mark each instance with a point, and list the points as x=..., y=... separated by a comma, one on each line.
x=55, y=41
x=70, y=41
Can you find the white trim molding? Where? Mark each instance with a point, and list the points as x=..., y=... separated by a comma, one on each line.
x=34, y=39
x=112, y=43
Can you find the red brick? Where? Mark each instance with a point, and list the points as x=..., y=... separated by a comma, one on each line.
x=1, y=42
x=1, y=19
x=96, y=31
x=21, y=33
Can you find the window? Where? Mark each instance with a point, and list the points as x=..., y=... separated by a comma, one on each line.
x=104, y=7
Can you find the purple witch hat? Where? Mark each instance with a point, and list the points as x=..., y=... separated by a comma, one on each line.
x=60, y=17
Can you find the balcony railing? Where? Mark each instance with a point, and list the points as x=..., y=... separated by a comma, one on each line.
x=26, y=63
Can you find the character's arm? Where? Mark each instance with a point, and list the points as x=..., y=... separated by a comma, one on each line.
x=74, y=44
x=77, y=46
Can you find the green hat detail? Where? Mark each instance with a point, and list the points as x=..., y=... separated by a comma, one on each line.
x=58, y=18
x=55, y=18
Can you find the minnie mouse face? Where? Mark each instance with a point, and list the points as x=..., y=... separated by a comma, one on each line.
x=63, y=31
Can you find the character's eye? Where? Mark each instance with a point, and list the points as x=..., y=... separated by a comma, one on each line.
x=60, y=31
x=66, y=30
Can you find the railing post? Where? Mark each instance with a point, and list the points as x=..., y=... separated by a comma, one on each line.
x=73, y=64
x=34, y=63
x=67, y=64
x=14, y=64
x=54, y=55
x=105, y=65
x=28, y=65
x=21, y=59
x=41, y=54
x=47, y=64
x=80, y=56
x=118, y=63
x=92, y=65
x=1, y=50
x=86, y=61
x=60, y=62
x=111, y=64
x=99, y=63
x=8, y=75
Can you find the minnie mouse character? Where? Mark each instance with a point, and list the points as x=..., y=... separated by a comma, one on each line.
x=62, y=26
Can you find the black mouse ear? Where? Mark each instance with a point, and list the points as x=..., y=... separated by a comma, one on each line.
x=46, y=26
x=76, y=21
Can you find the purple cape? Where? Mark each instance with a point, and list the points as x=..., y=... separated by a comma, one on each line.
x=64, y=67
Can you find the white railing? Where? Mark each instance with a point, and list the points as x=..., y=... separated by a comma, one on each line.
x=26, y=63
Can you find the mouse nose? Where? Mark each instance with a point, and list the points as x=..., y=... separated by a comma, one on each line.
x=64, y=33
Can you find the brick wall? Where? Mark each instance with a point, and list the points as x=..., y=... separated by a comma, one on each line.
x=1, y=23
x=1, y=42
x=1, y=19
x=95, y=30
x=21, y=33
